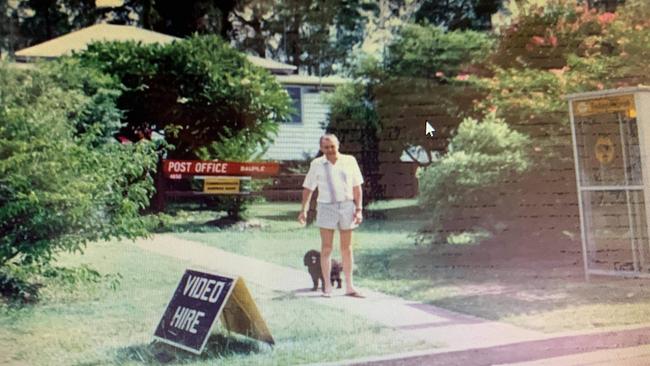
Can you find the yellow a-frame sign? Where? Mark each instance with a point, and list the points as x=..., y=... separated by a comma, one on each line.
x=240, y=315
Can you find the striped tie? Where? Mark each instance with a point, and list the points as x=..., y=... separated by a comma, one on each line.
x=330, y=183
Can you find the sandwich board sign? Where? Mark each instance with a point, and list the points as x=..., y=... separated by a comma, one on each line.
x=199, y=300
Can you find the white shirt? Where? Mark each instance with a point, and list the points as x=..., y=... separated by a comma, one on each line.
x=341, y=177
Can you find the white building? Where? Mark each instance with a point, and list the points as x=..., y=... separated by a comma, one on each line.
x=296, y=140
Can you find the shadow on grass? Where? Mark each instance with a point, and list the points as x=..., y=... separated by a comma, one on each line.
x=480, y=281
x=279, y=216
x=218, y=346
x=398, y=213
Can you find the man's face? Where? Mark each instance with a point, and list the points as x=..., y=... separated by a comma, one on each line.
x=329, y=147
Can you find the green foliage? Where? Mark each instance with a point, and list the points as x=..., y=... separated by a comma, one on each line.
x=431, y=52
x=424, y=71
x=59, y=187
x=480, y=156
x=98, y=118
x=195, y=92
x=543, y=36
x=556, y=48
x=530, y=101
x=458, y=14
x=22, y=284
x=628, y=32
x=314, y=35
x=16, y=284
x=351, y=106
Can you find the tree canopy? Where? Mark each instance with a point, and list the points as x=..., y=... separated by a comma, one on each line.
x=458, y=14
x=194, y=92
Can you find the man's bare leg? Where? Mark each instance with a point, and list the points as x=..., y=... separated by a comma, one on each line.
x=348, y=260
x=327, y=239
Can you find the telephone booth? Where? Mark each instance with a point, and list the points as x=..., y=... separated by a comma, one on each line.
x=611, y=139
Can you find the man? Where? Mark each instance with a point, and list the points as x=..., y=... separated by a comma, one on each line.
x=339, y=206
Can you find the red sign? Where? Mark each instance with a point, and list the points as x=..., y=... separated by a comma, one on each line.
x=207, y=167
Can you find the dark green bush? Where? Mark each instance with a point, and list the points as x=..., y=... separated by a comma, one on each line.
x=62, y=183
x=196, y=92
x=480, y=156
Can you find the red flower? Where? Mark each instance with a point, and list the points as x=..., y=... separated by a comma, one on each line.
x=538, y=41
x=606, y=18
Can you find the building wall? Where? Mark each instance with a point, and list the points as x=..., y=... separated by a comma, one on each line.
x=295, y=140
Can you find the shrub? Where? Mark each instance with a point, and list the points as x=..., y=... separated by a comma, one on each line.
x=61, y=187
x=480, y=156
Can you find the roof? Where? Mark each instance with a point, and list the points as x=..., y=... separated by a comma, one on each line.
x=271, y=65
x=79, y=40
x=606, y=93
x=311, y=80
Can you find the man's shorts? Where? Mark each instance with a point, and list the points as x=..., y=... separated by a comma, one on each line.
x=338, y=215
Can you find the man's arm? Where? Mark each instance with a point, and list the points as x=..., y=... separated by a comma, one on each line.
x=306, y=198
x=357, y=194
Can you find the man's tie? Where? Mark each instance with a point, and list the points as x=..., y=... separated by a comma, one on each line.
x=330, y=183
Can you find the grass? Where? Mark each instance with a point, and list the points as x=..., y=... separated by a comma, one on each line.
x=96, y=325
x=549, y=297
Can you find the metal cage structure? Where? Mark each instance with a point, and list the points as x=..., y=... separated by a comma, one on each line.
x=611, y=137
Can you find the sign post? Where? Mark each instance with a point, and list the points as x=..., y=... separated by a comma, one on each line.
x=199, y=300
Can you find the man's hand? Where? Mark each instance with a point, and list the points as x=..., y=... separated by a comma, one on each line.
x=302, y=217
x=358, y=217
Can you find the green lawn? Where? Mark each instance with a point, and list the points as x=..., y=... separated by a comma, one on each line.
x=548, y=299
x=96, y=325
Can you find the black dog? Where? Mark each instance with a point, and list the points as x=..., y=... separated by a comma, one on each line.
x=312, y=261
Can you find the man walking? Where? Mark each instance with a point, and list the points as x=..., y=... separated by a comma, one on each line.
x=339, y=206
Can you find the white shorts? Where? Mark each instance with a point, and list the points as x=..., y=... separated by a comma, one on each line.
x=338, y=215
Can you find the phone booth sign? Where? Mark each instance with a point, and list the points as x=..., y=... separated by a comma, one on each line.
x=611, y=137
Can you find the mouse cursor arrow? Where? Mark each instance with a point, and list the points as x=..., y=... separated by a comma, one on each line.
x=428, y=129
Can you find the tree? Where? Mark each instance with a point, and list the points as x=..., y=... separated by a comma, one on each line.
x=458, y=14
x=42, y=20
x=604, y=5
x=182, y=19
x=313, y=35
x=425, y=78
x=543, y=36
x=194, y=92
x=59, y=187
x=431, y=52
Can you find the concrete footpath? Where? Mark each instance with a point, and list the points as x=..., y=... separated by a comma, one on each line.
x=462, y=339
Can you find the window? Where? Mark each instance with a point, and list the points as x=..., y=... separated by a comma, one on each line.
x=296, y=98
